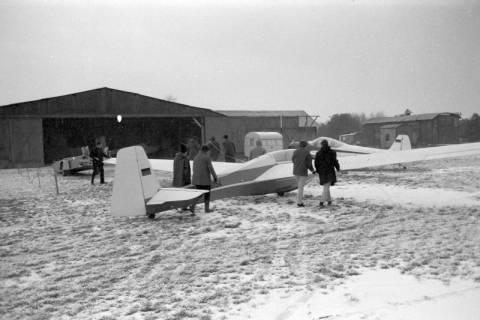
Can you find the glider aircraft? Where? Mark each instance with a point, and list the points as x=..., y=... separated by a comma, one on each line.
x=136, y=191
x=73, y=164
x=402, y=142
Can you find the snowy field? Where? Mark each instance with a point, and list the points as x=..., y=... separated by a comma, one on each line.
x=397, y=244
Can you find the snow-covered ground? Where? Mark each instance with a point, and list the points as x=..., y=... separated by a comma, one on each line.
x=375, y=294
x=66, y=257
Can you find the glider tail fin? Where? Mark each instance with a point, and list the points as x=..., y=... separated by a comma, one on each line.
x=402, y=142
x=134, y=183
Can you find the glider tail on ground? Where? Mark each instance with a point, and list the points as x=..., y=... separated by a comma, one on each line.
x=134, y=183
x=136, y=191
x=401, y=143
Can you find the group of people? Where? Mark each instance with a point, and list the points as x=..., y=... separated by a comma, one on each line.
x=203, y=170
x=227, y=148
x=325, y=165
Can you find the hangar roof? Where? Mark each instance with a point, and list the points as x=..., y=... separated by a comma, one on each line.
x=264, y=113
x=413, y=117
x=391, y=126
x=305, y=120
x=103, y=102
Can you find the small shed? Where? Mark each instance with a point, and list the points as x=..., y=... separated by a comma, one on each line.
x=423, y=129
x=271, y=141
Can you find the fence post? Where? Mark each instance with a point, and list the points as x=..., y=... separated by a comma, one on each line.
x=56, y=181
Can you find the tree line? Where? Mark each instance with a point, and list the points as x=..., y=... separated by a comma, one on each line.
x=342, y=123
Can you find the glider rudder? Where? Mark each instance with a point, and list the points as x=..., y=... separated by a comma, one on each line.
x=134, y=183
x=401, y=143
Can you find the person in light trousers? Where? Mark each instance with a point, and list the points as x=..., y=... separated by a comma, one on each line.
x=302, y=162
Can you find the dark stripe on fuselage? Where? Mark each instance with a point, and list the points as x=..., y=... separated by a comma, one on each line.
x=243, y=175
x=253, y=188
x=352, y=152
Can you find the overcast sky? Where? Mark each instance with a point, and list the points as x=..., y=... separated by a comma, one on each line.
x=337, y=56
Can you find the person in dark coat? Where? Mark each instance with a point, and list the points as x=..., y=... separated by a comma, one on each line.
x=214, y=148
x=302, y=162
x=202, y=173
x=97, y=156
x=228, y=149
x=325, y=163
x=181, y=168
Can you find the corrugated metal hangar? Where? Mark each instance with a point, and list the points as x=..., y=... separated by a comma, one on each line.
x=38, y=132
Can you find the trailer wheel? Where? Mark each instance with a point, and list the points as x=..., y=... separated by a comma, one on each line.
x=151, y=215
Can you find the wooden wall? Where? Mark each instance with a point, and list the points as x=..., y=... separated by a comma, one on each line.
x=22, y=143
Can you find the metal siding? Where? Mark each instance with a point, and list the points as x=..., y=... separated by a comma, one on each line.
x=59, y=105
x=125, y=103
x=88, y=102
x=391, y=132
x=434, y=138
x=5, y=151
x=26, y=142
x=107, y=99
x=153, y=106
x=447, y=129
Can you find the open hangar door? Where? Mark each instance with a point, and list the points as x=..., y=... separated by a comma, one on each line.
x=63, y=137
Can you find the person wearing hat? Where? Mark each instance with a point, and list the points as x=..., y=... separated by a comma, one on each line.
x=228, y=149
x=181, y=168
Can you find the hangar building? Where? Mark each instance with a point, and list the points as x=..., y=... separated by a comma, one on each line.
x=422, y=129
x=38, y=132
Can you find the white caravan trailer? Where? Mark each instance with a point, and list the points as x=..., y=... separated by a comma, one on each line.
x=271, y=141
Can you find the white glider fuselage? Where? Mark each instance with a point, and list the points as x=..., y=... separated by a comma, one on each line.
x=401, y=143
x=270, y=173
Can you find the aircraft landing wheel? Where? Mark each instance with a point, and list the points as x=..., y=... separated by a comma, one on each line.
x=280, y=194
x=151, y=215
